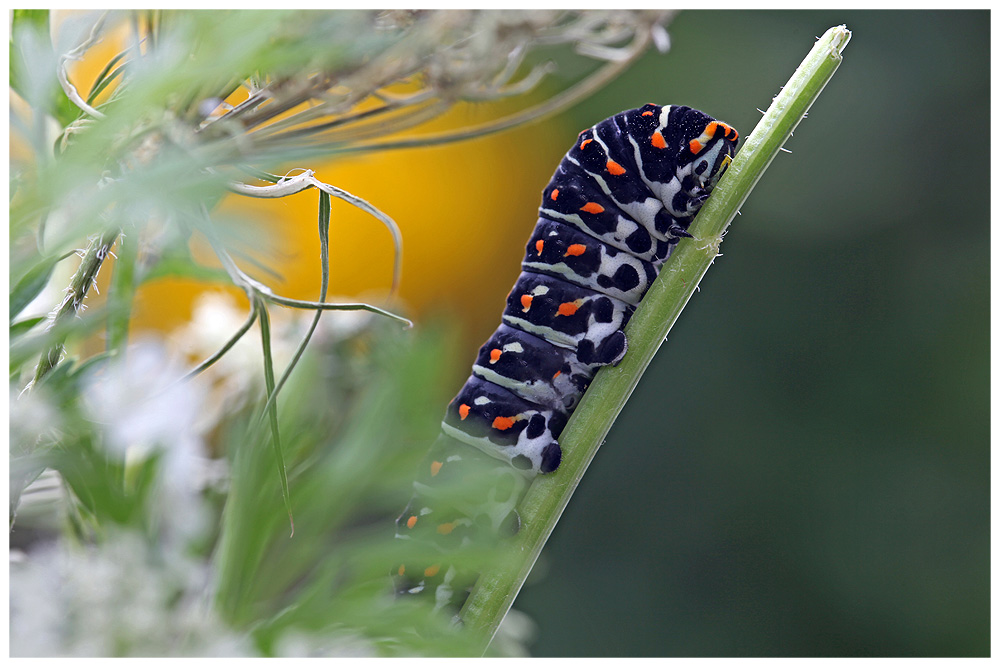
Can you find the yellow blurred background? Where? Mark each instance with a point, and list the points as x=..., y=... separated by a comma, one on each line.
x=465, y=211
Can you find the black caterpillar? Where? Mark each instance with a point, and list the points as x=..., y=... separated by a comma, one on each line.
x=619, y=202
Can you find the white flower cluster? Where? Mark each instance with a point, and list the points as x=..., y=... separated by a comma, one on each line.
x=133, y=594
x=143, y=410
x=121, y=599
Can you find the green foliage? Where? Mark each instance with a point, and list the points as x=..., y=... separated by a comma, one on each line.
x=119, y=452
x=31, y=285
x=29, y=47
x=352, y=441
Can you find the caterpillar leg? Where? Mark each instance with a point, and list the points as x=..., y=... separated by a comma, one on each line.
x=607, y=351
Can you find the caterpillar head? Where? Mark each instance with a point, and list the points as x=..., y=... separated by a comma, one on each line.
x=683, y=143
x=706, y=148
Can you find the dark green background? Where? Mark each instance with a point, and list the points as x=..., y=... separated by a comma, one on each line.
x=804, y=470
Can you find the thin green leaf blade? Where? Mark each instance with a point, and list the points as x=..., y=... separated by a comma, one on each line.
x=272, y=408
x=31, y=285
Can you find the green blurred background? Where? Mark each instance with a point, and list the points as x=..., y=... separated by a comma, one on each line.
x=804, y=470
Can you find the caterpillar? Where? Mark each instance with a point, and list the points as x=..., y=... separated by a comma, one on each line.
x=619, y=202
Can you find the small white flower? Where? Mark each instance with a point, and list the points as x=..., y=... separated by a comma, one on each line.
x=143, y=409
x=119, y=599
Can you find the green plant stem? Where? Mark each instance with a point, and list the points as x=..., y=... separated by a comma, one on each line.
x=548, y=496
x=121, y=294
x=71, y=306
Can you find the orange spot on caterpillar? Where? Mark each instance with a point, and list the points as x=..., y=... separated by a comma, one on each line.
x=463, y=411
x=591, y=207
x=615, y=169
x=658, y=141
x=695, y=146
x=526, y=301
x=711, y=128
x=411, y=522
x=568, y=308
x=503, y=423
x=401, y=571
x=432, y=570
x=575, y=250
x=496, y=352
x=539, y=244
x=583, y=144
x=558, y=373
x=647, y=113
x=446, y=528
x=736, y=135
x=555, y=194
x=435, y=468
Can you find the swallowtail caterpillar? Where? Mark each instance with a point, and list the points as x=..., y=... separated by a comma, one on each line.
x=617, y=205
